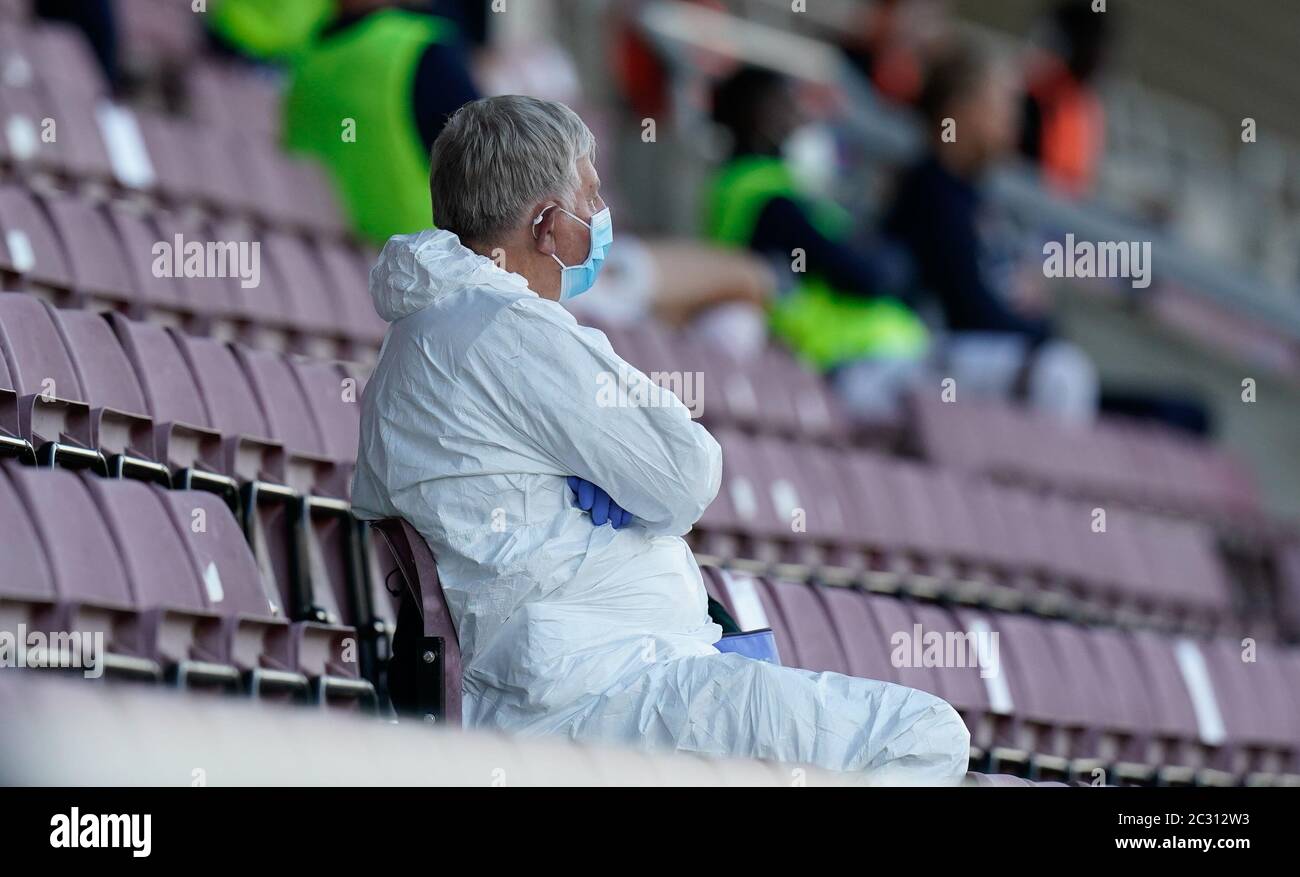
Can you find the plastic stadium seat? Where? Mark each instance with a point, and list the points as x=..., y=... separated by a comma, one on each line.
x=1131, y=721
x=287, y=192
x=166, y=145
x=85, y=154
x=89, y=581
x=1286, y=562
x=1255, y=707
x=184, y=439
x=119, y=424
x=273, y=316
x=890, y=617
x=66, y=64
x=158, y=35
x=349, y=273
x=177, y=147
x=32, y=249
x=923, y=536
x=315, y=207
x=217, y=306
x=1047, y=705
x=416, y=567
x=866, y=647
x=231, y=408
x=1185, y=554
x=13, y=442
x=291, y=422
x=52, y=413
x=158, y=299
x=20, y=67
x=953, y=499
x=224, y=95
x=23, y=112
x=1091, y=705
x=177, y=627
x=762, y=495
x=312, y=309
x=1174, y=720
x=100, y=272
x=990, y=721
x=816, y=645
x=335, y=401
x=265, y=647
x=57, y=135
x=832, y=520
x=27, y=594
x=790, y=499
x=321, y=579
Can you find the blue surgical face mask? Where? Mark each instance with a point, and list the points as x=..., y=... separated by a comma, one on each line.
x=577, y=279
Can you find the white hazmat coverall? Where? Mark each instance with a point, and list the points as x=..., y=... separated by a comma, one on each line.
x=485, y=398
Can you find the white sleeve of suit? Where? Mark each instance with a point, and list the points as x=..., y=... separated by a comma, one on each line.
x=566, y=392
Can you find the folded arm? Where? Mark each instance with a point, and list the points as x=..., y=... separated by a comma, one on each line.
x=565, y=391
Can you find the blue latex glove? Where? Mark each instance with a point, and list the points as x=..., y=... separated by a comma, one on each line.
x=591, y=498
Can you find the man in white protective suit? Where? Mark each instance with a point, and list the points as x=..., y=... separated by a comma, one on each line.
x=556, y=506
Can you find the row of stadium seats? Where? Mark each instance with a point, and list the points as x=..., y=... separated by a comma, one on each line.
x=894, y=524
x=50, y=59
x=309, y=296
x=769, y=393
x=168, y=578
x=1141, y=465
x=94, y=144
x=1066, y=698
x=274, y=435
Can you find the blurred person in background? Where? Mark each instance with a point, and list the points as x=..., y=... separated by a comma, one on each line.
x=368, y=98
x=277, y=30
x=836, y=311
x=997, y=346
x=268, y=30
x=1064, y=121
x=556, y=508
x=891, y=41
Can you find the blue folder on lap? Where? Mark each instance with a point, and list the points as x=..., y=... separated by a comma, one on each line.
x=757, y=644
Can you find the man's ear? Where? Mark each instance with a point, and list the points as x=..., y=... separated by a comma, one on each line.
x=544, y=231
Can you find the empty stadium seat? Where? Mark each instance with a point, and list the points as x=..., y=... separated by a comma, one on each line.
x=33, y=255
x=90, y=586
x=51, y=409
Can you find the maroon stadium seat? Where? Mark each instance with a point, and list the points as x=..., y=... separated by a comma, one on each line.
x=32, y=250
x=866, y=648
x=159, y=299
x=100, y=273
x=811, y=631
x=268, y=649
x=177, y=626
x=119, y=423
x=27, y=596
x=52, y=412
x=89, y=581
x=416, y=566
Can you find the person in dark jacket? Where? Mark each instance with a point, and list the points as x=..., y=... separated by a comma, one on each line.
x=939, y=213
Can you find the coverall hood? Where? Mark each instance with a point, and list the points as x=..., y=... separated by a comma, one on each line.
x=415, y=270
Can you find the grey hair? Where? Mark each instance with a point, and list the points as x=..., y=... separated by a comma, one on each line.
x=497, y=156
